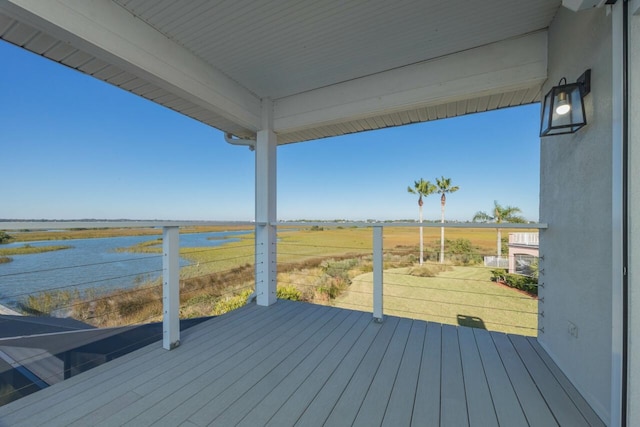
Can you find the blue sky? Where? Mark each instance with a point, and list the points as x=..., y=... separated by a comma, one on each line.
x=74, y=147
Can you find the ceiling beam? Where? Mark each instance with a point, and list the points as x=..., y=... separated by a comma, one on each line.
x=519, y=63
x=109, y=32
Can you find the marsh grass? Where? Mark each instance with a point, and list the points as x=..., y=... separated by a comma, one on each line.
x=97, y=233
x=147, y=247
x=5, y=259
x=28, y=249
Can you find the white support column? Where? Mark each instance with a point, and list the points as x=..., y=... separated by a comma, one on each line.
x=377, y=274
x=633, y=207
x=170, y=288
x=617, y=227
x=266, y=270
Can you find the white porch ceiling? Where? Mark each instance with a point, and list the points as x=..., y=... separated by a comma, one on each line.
x=330, y=66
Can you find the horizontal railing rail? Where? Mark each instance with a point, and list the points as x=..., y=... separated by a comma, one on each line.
x=68, y=225
x=361, y=224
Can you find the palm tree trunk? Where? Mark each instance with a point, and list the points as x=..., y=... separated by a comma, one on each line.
x=421, y=247
x=442, y=234
x=499, y=243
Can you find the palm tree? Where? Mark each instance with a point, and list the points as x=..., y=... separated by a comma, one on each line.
x=423, y=189
x=500, y=214
x=444, y=186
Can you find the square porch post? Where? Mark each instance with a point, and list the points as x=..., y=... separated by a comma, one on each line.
x=170, y=287
x=266, y=144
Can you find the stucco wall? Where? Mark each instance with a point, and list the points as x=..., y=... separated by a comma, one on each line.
x=575, y=200
x=634, y=220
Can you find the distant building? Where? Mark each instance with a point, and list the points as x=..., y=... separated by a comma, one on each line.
x=523, y=252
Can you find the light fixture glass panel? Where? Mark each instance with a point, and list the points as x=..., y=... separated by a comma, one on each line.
x=562, y=110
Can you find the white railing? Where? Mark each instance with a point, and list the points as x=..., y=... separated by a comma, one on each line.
x=170, y=281
x=527, y=239
x=496, y=262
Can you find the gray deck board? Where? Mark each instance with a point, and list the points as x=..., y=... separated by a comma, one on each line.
x=187, y=365
x=479, y=403
x=195, y=393
x=402, y=397
x=532, y=402
x=346, y=404
x=453, y=404
x=77, y=390
x=372, y=410
x=320, y=343
x=297, y=363
x=275, y=367
x=139, y=383
x=505, y=400
x=190, y=367
x=426, y=409
x=343, y=360
x=563, y=408
x=315, y=365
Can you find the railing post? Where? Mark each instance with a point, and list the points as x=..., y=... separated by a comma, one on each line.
x=170, y=288
x=377, y=273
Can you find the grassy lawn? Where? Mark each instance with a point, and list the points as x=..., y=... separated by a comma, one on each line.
x=463, y=296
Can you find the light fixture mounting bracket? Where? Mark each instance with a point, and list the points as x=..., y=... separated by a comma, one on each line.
x=585, y=82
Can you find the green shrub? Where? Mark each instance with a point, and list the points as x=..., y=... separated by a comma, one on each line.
x=331, y=291
x=462, y=252
x=524, y=283
x=331, y=287
x=339, y=269
x=231, y=303
x=4, y=237
x=528, y=284
x=421, y=271
x=465, y=259
x=459, y=246
x=498, y=274
x=429, y=270
x=289, y=292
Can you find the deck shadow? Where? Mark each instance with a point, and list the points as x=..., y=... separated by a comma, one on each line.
x=471, y=321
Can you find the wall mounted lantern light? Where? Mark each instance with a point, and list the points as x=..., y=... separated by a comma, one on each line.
x=563, y=107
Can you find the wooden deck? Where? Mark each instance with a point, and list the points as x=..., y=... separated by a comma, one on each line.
x=302, y=364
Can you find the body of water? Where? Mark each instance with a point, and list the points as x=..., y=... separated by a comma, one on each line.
x=91, y=263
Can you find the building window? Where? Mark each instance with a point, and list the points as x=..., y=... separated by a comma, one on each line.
x=525, y=264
